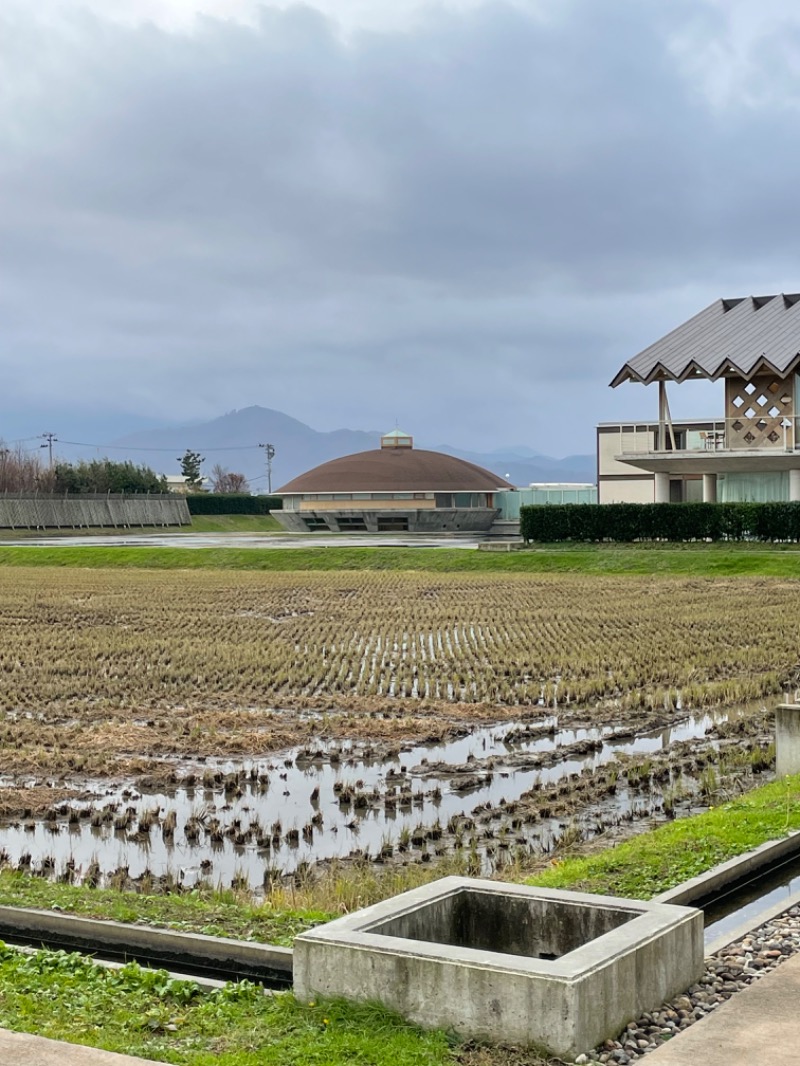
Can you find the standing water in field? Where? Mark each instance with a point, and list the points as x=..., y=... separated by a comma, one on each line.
x=246, y=821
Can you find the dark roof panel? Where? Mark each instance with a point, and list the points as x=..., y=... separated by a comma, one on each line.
x=741, y=336
x=396, y=470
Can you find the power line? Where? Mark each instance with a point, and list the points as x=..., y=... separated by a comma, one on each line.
x=137, y=448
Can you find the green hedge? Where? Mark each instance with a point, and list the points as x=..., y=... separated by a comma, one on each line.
x=626, y=522
x=231, y=503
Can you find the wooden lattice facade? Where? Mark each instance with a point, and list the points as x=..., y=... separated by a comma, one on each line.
x=759, y=413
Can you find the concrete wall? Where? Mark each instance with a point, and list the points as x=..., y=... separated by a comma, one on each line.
x=612, y=441
x=787, y=739
x=440, y=520
x=366, y=505
x=619, y=482
x=637, y=488
x=83, y=512
x=513, y=925
x=568, y=1005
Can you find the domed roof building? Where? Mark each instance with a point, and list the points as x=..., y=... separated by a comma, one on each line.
x=395, y=488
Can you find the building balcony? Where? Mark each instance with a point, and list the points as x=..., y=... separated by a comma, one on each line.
x=713, y=446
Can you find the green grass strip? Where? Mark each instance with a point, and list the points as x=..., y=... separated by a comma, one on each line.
x=211, y=912
x=234, y=523
x=725, y=561
x=147, y=1013
x=664, y=857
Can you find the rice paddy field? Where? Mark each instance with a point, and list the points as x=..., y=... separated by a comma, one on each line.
x=168, y=728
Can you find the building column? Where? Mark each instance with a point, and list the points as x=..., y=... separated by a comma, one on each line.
x=709, y=488
x=662, y=488
x=794, y=486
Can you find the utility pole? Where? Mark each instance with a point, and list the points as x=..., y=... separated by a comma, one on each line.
x=269, y=450
x=49, y=439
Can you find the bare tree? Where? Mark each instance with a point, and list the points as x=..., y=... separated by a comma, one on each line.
x=21, y=471
x=223, y=480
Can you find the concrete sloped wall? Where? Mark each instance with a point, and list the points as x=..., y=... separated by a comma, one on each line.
x=77, y=512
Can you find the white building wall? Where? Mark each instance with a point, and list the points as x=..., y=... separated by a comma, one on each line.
x=628, y=491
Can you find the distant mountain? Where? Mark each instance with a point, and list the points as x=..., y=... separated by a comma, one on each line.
x=525, y=469
x=519, y=450
x=232, y=441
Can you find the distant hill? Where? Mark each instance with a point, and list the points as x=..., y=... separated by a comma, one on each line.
x=232, y=441
x=524, y=469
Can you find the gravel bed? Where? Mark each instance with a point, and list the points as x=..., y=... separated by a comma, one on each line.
x=726, y=973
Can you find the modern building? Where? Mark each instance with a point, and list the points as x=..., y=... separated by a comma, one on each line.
x=395, y=488
x=752, y=451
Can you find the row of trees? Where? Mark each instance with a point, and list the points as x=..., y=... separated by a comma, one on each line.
x=22, y=471
x=105, y=475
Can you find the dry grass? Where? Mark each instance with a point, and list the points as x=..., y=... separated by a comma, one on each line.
x=100, y=670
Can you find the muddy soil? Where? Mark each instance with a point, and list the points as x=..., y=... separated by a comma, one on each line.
x=514, y=791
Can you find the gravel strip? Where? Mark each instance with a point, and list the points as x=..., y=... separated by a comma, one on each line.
x=726, y=973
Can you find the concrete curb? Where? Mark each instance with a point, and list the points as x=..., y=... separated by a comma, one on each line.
x=182, y=952
x=22, y=1049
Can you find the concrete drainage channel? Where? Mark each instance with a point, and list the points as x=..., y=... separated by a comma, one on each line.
x=206, y=959
x=488, y=959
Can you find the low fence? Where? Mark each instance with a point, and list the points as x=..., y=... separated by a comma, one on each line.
x=36, y=511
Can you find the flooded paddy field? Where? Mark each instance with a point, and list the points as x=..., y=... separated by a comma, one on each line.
x=242, y=728
x=497, y=793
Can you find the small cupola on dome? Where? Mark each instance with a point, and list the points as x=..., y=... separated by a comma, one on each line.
x=396, y=439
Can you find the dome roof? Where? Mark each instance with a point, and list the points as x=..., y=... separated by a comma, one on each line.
x=396, y=470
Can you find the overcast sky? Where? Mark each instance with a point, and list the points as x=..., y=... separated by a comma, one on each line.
x=463, y=216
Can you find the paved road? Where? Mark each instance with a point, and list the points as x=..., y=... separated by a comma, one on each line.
x=252, y=540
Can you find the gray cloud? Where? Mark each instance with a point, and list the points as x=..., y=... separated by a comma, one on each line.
x=467, y=224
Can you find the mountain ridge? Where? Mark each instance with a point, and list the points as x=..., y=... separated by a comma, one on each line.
x=232, y=440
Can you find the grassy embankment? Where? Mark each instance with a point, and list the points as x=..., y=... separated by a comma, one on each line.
x=148, y=1014
x=686, y=560
x=234, y=523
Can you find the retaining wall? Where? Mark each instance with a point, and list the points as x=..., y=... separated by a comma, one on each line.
x=89, y=511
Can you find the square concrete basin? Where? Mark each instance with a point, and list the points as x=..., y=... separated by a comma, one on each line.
x=508, y=963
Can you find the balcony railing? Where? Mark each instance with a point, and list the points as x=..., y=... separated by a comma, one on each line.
x=715, y=435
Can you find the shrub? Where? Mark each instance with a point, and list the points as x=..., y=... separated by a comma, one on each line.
x=232, y=503
x=628, y=522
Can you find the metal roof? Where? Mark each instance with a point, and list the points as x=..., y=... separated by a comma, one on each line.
x=743, y=337
x=401, y=470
